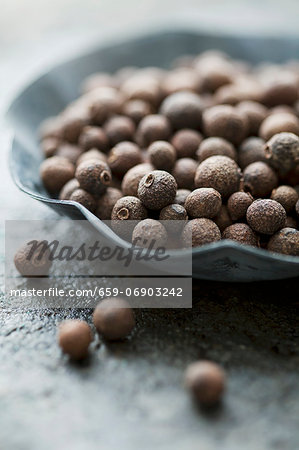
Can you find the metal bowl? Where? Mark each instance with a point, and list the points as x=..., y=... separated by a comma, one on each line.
x=50, y=93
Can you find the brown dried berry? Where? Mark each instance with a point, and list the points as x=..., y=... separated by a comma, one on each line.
x=181, y=79
x=104, y=102
x=259, y=179
x=282, y=90
x=227, y=122
x=203, y=202
x=184, y=172
x=242, y=233
x=255, y=113
x=70, y=152
x=186, y=142
x=55, y=172
x=126, y=211
x=206, y=381
x=183, y=110
x=119, y=128
x=285, y=241
x=157, y=189
x=266, y=216
x=93, y=176
x=98, y=80
x=84, y=198
x=106, y=203
x=132, y=178
x=92, y=155
x=74, y=337
x=291, y=222
x=175, y=216
x=282, y=151
x=123, y=157
x=181, y=195
x=137, y=110
x=142, y=86
x=68, y=189
x=33, y=259
x=223, y=219
x=286, y=196
x=200, y=232
x=49, y=146
x=154, y=127
x=277, y=123
x=220, y=173
x=114, y=319
x=149, y=233
x=238, y=204
x=250, y=151
x=73, y=123
x=214, y=71
x=215, y=146
x=162, y=155
x=93, y=137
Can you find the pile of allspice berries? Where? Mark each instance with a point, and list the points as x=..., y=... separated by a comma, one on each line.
x=211, y=143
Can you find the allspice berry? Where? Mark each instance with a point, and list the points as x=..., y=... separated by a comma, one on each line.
x=154, y=127
x=106, y=203
x=206, y=381
x=84, y=198
x=238, y=204
x=183, y=110
x=93, y=137
x=242, y=233
x=68, y=189
x=33, y=260
x=49, y=146
x=93, y=176
x=184, y=172
x=259, y=179
x=74, y=337
x=186, y=142
x=203, y=202
x=286, y=196
x=104, y=103
x=250, y=151
x=227, y=122
x=215, y=146
x=70, y=152
x=181, y=196
x=285, y=241
x=223, y=219
x=123, y=157
x=51, y=128
x=132, y=178
x=157, y=189
x=149, y=233
x=277, y=123
x=119, y=128
x=220, y=173
x=91, y=155
x=282, y=151
x=175, y=216
x=137, y=109
x=255, y=112
x=114, y=319
x=162, y=155
x=126, y=211
x=282, y=90
x=266, y=216
x=73, y=123
x=55, y=172
x=200, y=232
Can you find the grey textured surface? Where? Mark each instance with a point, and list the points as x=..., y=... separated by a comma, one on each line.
x=129, y=395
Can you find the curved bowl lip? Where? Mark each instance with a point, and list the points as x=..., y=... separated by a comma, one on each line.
x=100, y=225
